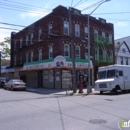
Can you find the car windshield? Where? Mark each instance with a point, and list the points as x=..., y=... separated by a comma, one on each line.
x=111, y=73
x=102, y=74
x=18, y=81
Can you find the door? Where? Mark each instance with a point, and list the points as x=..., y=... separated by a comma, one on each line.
x=121, y=80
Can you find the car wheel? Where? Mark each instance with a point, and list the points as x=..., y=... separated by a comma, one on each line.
x=11, y=88
x=24, y=89
x=101, y=92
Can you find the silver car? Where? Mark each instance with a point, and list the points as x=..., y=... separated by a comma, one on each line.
x=15, y=84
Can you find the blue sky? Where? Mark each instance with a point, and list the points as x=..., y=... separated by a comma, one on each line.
x=114, y=11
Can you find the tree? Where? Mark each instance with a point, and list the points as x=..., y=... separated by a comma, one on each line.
x=5, y=51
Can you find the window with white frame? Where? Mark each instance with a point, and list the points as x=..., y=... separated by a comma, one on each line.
x=40, y=54
x=96, y=34
x=50, y=52
x=127, y=61
x=15, y=58
x=66, y=50
x=110, y=38
x=77, y=30
x=66, y=27
x=27, y=39
x=104, y=55
x=31, y=40
x=103, y=37
x=21, y=42
x=86, y=32
x=121, y=60
x=50, y=29
x=27, y=58
x=40, y=35
x=96, y=53
x=77, y=51
x=31, y=58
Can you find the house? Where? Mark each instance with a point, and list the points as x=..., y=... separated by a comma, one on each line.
x=122, y=51
x=41, y=54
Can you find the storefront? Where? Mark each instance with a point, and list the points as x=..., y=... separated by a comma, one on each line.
x=51, y=73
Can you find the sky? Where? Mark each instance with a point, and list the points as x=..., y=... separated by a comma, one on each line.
x=27, y=12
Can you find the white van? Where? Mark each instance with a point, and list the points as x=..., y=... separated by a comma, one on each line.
x=113, y=78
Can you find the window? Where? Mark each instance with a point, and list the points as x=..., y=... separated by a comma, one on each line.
x=50, y=52
x=110, y=38
x=121, y=60
x=103, y=37
x=104, y=55
x=15, y=60
x=66, y=50
x=123, y=50
x=127, y=61
x=66, y=27
x=31, y=40
x=40, y=54
x=77, y=30
x=77, y=51
x=96, y=34
x=27, y=40
x=31, y=56
x=120, y=73
x=86, y=32
x=40, y=35
x=50, y=29
x=21, y=41
x=26, y=57
x=97, y=54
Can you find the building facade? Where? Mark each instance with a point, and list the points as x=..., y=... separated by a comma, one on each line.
x=122, y=51
x=35, y=48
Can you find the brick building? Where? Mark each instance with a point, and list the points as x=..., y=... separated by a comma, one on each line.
x=36, y=48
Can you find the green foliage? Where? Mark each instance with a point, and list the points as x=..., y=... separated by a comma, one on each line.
x=5, y=48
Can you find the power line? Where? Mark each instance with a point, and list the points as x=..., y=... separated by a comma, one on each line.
x=93, y=5
x=111, y=13
x=77, y=3
x=35, y=12
x=17, y=3
x=12, y=24
x=71, y=3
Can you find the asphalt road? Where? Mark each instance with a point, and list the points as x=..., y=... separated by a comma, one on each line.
x=21, y=110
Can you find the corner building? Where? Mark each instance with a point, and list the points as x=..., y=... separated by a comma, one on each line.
x=41, y=54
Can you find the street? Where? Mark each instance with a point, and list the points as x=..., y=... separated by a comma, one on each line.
x=23, y=110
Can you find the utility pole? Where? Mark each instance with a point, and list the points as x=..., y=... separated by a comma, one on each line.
x=72, y=54
x=89, y=89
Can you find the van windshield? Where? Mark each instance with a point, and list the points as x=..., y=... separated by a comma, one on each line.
x=111, y=73
x=102, y=74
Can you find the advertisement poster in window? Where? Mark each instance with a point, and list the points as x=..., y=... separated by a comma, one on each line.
x=45, y=75
x=57, y=76
x=51, y=77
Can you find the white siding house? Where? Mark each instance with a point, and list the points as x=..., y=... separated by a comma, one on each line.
x=122, y=51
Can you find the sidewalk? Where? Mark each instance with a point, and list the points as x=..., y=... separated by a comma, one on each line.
x=57, y=91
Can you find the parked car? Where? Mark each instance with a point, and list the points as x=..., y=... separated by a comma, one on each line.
x=15, y=84
x=2, y=81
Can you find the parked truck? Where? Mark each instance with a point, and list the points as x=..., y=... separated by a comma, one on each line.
x=113, y=78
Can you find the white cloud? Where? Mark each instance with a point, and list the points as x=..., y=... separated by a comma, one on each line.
x=33, y=14
x=121, y=24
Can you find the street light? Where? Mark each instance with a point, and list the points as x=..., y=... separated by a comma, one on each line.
x=89, y=90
